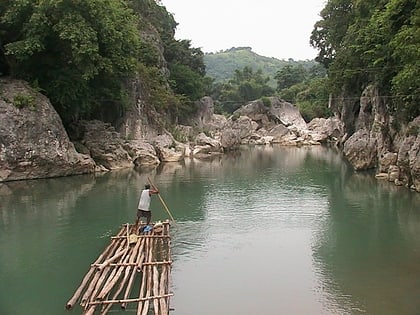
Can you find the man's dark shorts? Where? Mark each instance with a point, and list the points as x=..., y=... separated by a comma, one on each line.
x=144, y=214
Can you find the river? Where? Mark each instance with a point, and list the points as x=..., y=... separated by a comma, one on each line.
x=265, y=230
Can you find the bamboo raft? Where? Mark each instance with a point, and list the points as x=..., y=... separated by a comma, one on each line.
x=131, y=257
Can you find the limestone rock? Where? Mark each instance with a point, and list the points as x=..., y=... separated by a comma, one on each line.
x=33, y=142
x=361, y=150
x=326, y=129
x=168, y=149
x=142, y=153
x=104, y=144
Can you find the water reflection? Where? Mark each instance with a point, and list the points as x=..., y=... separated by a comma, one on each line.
x=264, y=230
x=369, y=249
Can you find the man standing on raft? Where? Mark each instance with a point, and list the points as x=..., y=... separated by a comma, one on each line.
x=143, y=209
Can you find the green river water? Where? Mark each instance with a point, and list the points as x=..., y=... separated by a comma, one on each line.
x=266, y=230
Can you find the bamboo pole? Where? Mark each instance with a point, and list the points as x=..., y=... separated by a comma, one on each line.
x=98, y=276
x=132, y=300
x=148, y=289
x=143, y=284
x=133, y=256
x=112, y=281
x=155, y=288
x=129, y=264
x=162, y=290
x=110, y=260
x=90, y=310
x=140, y=258
x=168, y=270
x=161, y=200
x=142, y=236
x=87, y=277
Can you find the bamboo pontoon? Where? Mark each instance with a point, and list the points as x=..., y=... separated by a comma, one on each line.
x=130, y=258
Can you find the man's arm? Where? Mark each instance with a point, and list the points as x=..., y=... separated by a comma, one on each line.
x=153, y=191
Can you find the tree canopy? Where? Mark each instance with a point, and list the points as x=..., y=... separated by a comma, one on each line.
x=245, y=85
x=77, y=51
x=372, y=42
x=81, y=53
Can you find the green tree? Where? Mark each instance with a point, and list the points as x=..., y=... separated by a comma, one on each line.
x=290, y=75
x=372, y=42
x=187, y=70
x=312, y=101
x=78, y=52
x=246, y=85
x=329, y=32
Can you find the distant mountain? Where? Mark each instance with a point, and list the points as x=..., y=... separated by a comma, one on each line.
x=221, y=65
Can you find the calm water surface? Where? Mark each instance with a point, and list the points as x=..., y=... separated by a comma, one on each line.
x=267, y=230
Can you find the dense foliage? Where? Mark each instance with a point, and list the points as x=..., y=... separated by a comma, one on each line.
x=306, y=88
x=245, y=85
x=222, y=65
x=372, y=42
x=299, y=82
x=81, y=53
x=78, y=52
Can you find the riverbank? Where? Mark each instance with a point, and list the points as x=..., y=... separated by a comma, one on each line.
x=36, y=145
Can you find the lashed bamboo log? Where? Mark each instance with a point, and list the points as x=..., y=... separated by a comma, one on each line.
x=143, y=283
x=140, y=258
x=162, y=290
x=163, y=296
x=168, y=270
x=155, y=288
x=142, y=236
x=89, y=292
x=112, y=280
x=90, y=310
x=149, y=278
x=127, y=272
x=129, y=264
x=87, y=277
x=110, y=260
x=107, y=272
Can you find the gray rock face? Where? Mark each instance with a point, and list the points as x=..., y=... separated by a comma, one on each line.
x=142, y=153
x=205, y=111
x=375, y=144
x=361, y=150
x=105, y=145
x=408, y=160
x=326, y=129
x=33, y=142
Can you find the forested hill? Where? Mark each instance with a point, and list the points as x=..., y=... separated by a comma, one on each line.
x=221, y=65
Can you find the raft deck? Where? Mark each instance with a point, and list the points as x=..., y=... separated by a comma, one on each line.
x=131, y=257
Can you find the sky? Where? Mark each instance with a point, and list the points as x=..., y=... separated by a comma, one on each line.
x=272, y=28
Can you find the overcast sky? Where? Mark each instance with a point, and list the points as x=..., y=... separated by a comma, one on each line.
x=273, y=28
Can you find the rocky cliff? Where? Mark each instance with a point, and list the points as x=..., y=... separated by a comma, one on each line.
x=34, y=144
x=380, y=143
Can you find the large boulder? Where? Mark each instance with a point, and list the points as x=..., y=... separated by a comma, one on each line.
x=361, y=150
x=205, y=111
x=104, y=145
x=33, y=141
x=142, y=153
x=371, y=140
x=168, y=149
x=205, y=147
x=326, y=130
x=408, y=160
